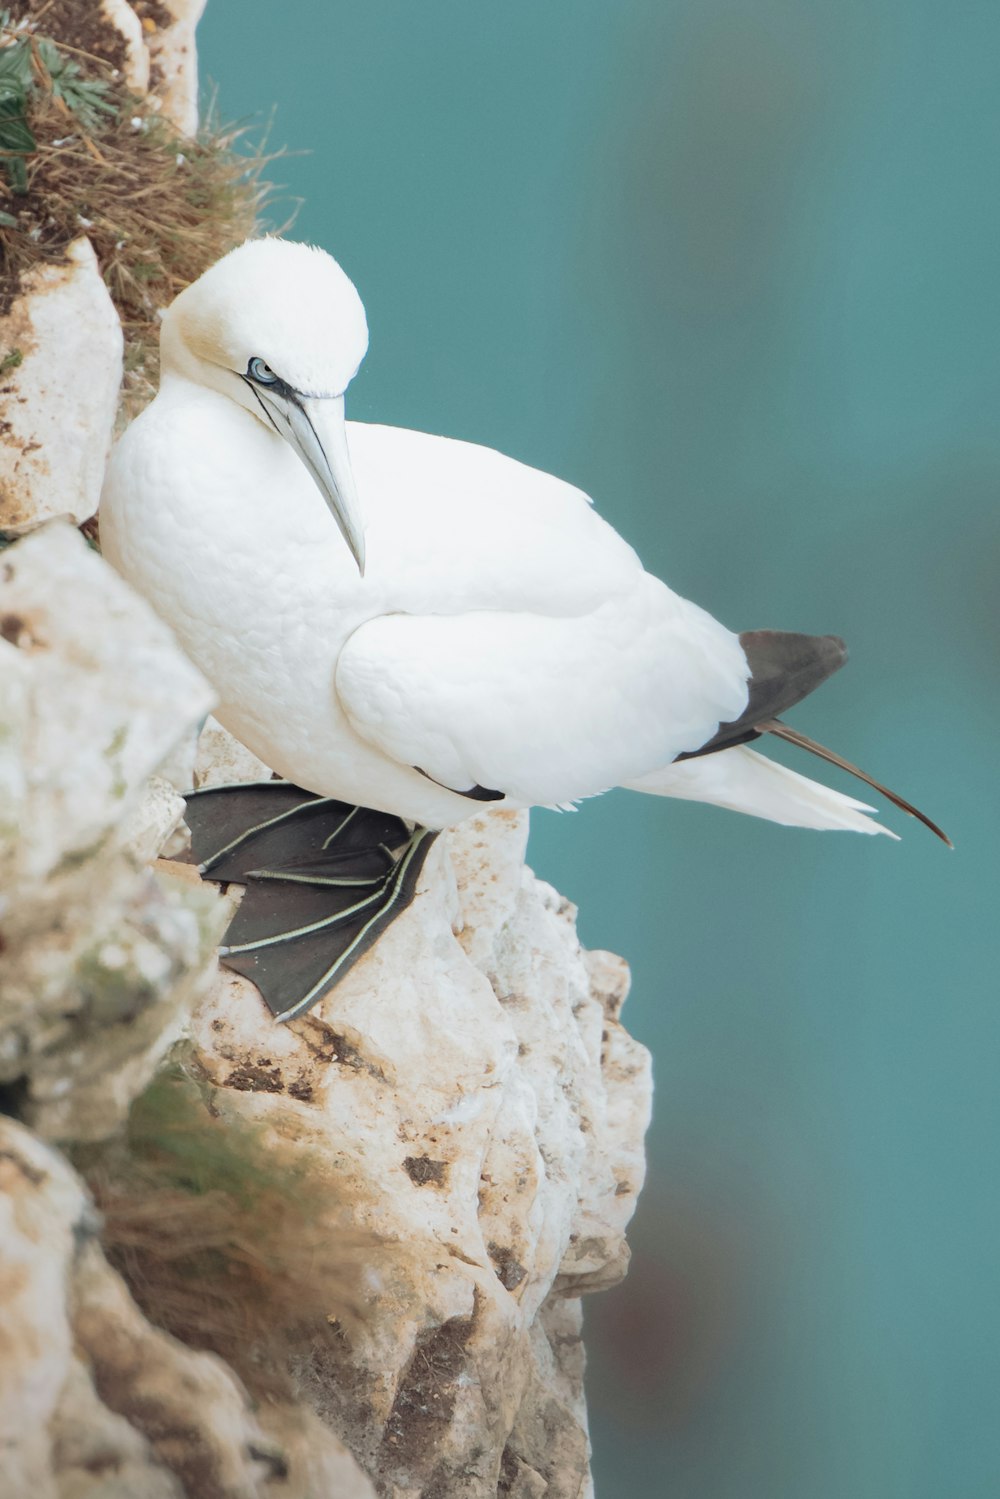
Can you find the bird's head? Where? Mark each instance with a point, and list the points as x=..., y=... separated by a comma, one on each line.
x=280, y=329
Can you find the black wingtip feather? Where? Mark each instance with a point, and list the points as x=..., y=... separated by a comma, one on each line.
x=784, y=668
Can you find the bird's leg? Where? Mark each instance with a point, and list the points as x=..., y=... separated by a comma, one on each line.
x=323, y=881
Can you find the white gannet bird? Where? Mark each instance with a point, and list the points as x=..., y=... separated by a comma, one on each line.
x=408, y=624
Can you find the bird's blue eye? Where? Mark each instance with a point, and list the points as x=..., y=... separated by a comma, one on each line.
x=261, y=372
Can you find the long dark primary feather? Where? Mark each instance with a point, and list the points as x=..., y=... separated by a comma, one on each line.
x=792, y=736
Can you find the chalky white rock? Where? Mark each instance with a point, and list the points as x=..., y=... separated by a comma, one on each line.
x=412, y=623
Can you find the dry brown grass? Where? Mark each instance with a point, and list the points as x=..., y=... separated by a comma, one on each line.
x=222, y=1242
x=158, y=208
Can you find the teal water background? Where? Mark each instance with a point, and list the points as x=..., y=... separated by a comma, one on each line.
x=735, y=270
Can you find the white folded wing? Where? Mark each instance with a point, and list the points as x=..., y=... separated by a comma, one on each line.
x=542, y=662
x=543, y=709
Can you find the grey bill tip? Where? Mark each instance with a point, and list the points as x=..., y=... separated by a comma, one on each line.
x=314, y=428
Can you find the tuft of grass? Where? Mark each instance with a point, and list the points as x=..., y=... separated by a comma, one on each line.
x=222, y=1242
x=79, y=155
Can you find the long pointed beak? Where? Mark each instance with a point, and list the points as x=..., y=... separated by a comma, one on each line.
x=314, y=428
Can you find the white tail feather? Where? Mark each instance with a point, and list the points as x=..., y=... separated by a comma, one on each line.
x=745, y=781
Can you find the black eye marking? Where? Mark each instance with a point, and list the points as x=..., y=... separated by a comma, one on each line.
x=262, y=372
x=260, y=376
x=247, y=381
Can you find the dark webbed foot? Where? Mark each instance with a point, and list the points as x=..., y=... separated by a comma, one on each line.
x=324, y=880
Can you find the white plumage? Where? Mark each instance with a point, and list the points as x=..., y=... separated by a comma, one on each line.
x=502, y=636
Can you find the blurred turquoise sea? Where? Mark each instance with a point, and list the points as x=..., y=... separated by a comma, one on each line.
x=734, y=269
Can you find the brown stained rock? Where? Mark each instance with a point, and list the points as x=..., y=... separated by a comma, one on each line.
x=169, y=30
x=87, y=1387
x=42, y=1207
x=135, y=66
x=510, y=1272
x=96, y=1453
x=483, y=1119
x=189, y=1407
x=319, y=1465
x=154, y=15
x=60, y=370
x=482, y=1124
x=426, y=1396
x=95, y=1403
x=422, y=1170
